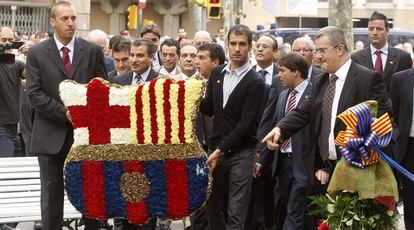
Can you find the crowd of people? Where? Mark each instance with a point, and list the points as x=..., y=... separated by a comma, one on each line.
x=267, y=120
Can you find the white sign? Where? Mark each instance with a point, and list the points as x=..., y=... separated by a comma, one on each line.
x=271, y=6
x=302, y=7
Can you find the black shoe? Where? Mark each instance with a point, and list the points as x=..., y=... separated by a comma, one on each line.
x=104, y=224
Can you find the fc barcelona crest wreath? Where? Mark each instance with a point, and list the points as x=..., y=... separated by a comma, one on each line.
x=135, y=154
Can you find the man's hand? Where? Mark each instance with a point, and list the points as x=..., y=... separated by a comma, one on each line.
x=24, y=49
x=257, y=171
x=68, y=116
x=272, y=138
x=212, y=160
x=322, y=176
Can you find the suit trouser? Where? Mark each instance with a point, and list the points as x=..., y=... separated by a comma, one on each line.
x=408, y=186
x=261, y=208
x=292, y=204
x=232, y=181
x=52, y=189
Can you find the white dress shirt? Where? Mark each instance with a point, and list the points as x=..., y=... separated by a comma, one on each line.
x=269, y=73
x=140, y=78
x=232, y=78
x=341, y=73
x=70, y=46
x=299, y=89
x=174, y=72
x=383, y=55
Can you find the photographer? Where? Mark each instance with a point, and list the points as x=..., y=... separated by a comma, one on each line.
x=11, y=73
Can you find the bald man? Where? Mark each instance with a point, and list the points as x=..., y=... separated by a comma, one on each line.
x=101, y=38
x=201, y=37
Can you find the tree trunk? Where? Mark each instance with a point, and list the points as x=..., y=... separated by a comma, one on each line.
x=340, y=15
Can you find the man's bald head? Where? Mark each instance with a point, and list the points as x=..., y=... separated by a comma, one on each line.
x=99, y=37
x=6, y=35
x=201, y=37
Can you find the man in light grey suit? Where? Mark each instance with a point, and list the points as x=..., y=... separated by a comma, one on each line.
x=61, y=57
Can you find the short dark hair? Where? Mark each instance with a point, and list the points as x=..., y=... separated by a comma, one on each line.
x=151, y=28
x=275, y=46
x=240, y=29
x=122, y=46
x=215, y=50
x=171, y=42
x=116, y=38
x=151, y=48
x=379, y=16
x=60, y=3
x=295, y=62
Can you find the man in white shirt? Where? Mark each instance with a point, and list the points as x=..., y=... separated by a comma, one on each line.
x=170, y=54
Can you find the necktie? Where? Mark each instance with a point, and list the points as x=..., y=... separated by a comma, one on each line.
x=66, y=60
x=378, y=62
x=291, y=105
x=326, y=117
x=263, y=74
x=137, y=79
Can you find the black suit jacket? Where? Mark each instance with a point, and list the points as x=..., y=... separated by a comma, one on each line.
x=235, y=125
x=126, y=78
x=45, y=71
x=397, y=60
x=402, y=104
x=361, y=84
x=302, y=161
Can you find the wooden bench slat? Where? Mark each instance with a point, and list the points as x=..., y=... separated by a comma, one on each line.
x=20, y=182
x=19, y=169
x=36, y=218
x=8, y=176
x=19, y=194
x=19, y=188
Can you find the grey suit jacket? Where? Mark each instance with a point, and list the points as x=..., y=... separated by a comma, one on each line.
x=126, y=79
x=302, y=161
x=397, y=60
x=45, y=71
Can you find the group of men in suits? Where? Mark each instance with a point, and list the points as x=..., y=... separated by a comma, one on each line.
x=347, y=80
x=291, y=105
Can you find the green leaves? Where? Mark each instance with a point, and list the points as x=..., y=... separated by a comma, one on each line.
x=347, y=212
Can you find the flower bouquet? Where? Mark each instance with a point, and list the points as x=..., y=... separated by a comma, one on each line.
x=362, y=191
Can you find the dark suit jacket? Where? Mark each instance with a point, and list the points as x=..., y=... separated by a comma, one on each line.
x=126, y=79
x=235, y=125
x=361, y=84
x=397, y=60
x=302, y=161
x=111, y=76
x=315, y=72
x=402, y=104
x=269, y=112
x=45, y=71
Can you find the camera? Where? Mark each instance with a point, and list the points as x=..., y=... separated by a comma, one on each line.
x=6, y=58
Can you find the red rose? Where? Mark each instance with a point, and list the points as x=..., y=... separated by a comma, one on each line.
x=323, y=225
